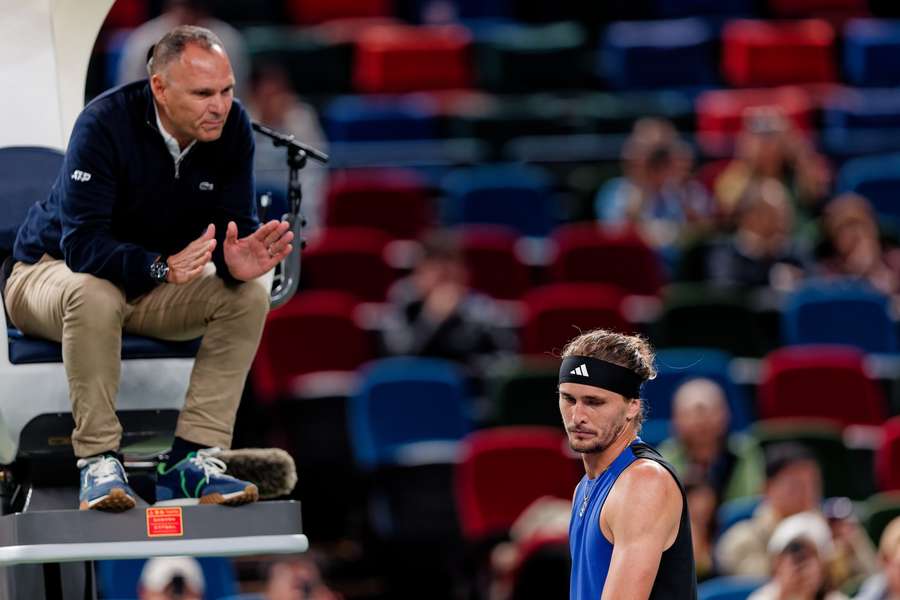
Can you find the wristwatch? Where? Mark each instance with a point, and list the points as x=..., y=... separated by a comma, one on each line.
x=159, y=270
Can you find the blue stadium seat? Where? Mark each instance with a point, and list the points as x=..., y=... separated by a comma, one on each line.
x=408, y=411
x=658, y=54
x=844, y=312
x=678, y=365
x=728, y=588
x=738, y=509
x=861, y=121
x=870, y=52
x=877, y=178
x=367, y=119
x=519, y=196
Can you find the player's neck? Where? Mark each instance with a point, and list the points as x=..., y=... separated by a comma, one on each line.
x=595, y=463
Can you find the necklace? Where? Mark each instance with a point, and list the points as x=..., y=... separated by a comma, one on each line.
x=587, y=494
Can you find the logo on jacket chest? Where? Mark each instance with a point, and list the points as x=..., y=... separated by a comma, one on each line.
x=206, y=186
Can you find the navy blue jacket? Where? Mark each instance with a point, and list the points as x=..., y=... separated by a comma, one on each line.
x=118, y=202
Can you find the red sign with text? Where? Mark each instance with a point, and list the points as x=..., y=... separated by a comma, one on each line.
x=163, y=522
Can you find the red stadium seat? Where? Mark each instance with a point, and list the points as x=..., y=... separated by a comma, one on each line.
x=504, y=470
x=126, y=14
x=720, y=113
x=590, y=253
x=764, y=53
x=314, y=332
x=348, y=259
x=391, y=59
x=556, y=313
x=819, y=381
x=311, y=12
x=490, y=257
x=887, y=458
x=394, y=201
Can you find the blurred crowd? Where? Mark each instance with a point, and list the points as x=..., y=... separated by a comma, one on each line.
x=767, y=217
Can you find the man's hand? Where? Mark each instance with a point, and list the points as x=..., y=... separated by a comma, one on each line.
x=187, y=265
x=248, y=258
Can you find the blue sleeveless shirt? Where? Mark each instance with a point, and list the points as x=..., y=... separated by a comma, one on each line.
x=592, y=552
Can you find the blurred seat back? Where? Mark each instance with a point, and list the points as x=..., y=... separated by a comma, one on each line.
x=870, y=48
x=839, y=313
x=887, y=459
x=820, y=382
x=408, y=411
x=503, y=470
x=495, y=269
x=556, y=313
x=348, y=259
x=729, y=588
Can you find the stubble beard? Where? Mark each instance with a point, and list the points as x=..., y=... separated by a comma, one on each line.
x=603, y=441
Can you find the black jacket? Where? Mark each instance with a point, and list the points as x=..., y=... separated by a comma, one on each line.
x=118, y=202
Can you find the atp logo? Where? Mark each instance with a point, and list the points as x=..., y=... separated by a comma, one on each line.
x=80, y=175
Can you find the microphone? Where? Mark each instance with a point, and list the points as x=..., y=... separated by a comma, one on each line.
x=282, y=139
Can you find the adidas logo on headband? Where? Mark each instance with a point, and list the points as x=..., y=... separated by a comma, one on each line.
x=580, y=370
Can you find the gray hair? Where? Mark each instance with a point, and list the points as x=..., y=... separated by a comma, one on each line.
x=170, y=47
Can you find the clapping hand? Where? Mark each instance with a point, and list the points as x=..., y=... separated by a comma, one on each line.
x=249, y=257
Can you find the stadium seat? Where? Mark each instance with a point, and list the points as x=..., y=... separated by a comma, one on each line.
x=658, y=54
x=503, y=470
x=556, y=313
x=382, y=118
x=543, y=568
x=887, y=459
x=397, y=202
x=348, y=259
x=767, y=53
x=408, y=411
x=615, y=113
x=849, y=313
x=519, y=196
x=524, y=393
x=720, y=114
x=315, y=63
x=698, y=315
x=728, y=588
x=880, y=510
x=828, y=382
x=870, y=46
x=593, y=254
x=841, y=474
x=519, y=58
x=676, y=366
x=489, y=252
x=393, y=59
x=876, y=178
x=311, y=12
x=313, y=333
x=861, y=121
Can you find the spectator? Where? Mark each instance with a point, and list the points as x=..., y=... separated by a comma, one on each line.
x=800, y=549
x=133, y=65
x=793, y=485
x=703, y=503
x=657, y=192
x=885, y=585
x=769, y=148
x=297, y=578
x=853, y=248
x=274, y=103
x=703, y=450
x=434, y=313
x=171, y=578
x=761, y=251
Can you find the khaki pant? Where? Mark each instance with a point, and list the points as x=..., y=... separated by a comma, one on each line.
x=87, y=314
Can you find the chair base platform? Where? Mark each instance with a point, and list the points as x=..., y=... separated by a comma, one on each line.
x=273, y=527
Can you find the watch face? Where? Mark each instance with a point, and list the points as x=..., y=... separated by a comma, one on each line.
x=159, y=271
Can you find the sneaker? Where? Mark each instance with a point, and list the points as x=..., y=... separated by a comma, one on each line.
x=104, y=485
x=200, y=478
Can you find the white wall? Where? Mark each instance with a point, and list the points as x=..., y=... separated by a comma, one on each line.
x=45, y=47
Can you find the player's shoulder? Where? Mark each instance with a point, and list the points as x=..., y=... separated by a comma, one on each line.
x=646, y=483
